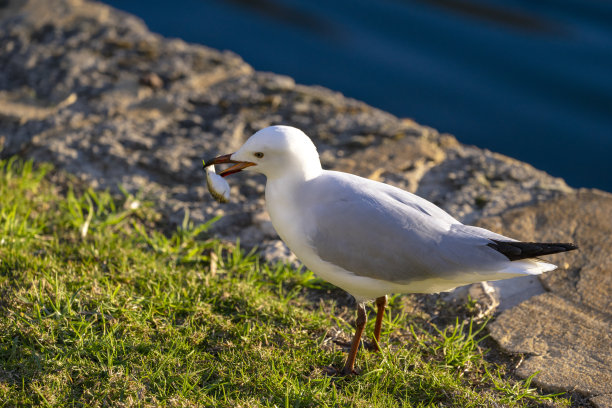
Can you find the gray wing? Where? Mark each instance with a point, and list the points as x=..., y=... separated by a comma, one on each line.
x=378, y=231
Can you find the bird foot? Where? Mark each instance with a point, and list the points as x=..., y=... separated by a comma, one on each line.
x=332, y=371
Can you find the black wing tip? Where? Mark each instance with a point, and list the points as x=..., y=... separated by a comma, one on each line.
x=569, y=246
x=523, y=250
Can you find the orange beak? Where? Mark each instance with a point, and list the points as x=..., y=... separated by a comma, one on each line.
x=226, y=158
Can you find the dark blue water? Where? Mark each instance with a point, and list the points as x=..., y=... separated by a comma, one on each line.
x=530, y=79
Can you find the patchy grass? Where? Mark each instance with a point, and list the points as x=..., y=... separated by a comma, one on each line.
x=98, y=307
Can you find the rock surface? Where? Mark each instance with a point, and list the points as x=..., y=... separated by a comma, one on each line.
x=566, y=332
x=91, y=90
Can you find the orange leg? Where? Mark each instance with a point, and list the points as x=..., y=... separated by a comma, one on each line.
x=381, y=303
x=359, y=325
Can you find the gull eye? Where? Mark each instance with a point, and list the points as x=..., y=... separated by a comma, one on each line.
x=259, y=155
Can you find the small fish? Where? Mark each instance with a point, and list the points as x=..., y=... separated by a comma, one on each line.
x=217, y=186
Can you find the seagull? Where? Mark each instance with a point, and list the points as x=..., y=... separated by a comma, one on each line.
x=369, y=238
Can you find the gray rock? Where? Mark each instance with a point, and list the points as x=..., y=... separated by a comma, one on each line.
x=566, y=333
x=276, y=251
x=567, y=343
x=472, y=183
x=602, y=401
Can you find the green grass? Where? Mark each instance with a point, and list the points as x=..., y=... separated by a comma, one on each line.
x=100, y=307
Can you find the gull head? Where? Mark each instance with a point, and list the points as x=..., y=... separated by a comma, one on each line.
x=276, y=152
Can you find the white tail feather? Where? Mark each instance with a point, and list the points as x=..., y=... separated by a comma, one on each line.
x=528, y=267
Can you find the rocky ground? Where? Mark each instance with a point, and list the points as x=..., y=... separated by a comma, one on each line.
x=91, y=90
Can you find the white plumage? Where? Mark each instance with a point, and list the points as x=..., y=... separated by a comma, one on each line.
x=370, y=238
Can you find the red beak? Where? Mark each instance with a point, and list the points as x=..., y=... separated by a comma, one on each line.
x=226, y=158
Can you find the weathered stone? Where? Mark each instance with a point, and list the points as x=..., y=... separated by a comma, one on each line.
x=276, y=251
x=401, y=162
x=584, y=276
x=568, y=332
x=602, y=401
x=569, y=344
x=473, y=183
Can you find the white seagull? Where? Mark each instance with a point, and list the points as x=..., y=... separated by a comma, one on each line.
x=370, y=238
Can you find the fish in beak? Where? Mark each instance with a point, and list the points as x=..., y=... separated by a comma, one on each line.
x=226, y=158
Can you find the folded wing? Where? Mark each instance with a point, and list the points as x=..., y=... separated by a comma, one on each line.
x=378, y=231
